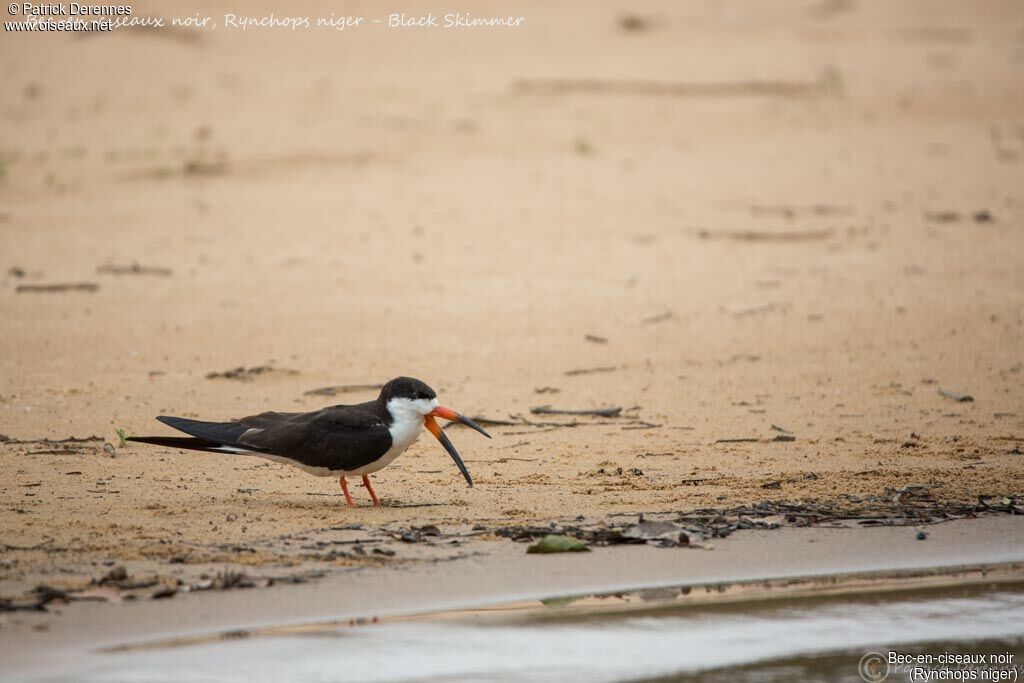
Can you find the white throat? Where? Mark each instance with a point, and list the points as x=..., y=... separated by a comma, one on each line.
x=407, y=420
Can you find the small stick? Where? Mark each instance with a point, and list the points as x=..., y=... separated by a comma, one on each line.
x=531, y=431
x=415, y=505
x=587, y=371
x=56, y=451
x=59, y=287
x=134, y=269
x=37, y=546
x=342, y=389
x=556, y=425
x=70, y=439
x=961, y=398
x=758, y=236
x=640, y=424
x=612, y=411
x=740, y=88
x=661, y=317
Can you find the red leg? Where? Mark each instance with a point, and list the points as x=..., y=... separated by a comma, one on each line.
x=344, y=488
x=366, y=483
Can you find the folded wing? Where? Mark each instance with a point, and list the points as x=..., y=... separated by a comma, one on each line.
x=338, y=438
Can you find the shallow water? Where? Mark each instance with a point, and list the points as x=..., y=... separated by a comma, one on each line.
x=801, y=639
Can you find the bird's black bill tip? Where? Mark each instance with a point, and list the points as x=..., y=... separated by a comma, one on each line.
x=472, y=425
x=434, y=429
x=448, y=446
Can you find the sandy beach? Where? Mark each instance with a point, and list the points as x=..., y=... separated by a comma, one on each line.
x=786, y=240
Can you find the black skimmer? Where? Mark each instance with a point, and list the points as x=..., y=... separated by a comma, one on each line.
x=339, y=441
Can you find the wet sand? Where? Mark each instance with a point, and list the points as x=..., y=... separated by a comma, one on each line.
x=801, y=220
x=786, y=562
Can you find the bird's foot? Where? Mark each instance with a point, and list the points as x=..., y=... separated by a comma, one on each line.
x=366, y=483
x=344, y=489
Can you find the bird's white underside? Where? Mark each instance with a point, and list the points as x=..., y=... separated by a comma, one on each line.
x=406, y=424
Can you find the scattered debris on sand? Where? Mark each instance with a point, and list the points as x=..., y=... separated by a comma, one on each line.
x=58, y=287
x=790, y=212
x=134, y=269
x=767, y=236
x=634, y=23
x=312, y=553
x=660, y=318
x=827, y=84
x=959, y=398
x=342, y=389
x=912, y=505
x=980, y=216
x=590, y=371
x=611, y=411
x=244, y=374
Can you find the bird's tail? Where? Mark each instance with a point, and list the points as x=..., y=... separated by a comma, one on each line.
x=203, y=436
x=188, y=442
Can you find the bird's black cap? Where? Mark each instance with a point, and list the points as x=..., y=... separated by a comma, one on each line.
x=406, y=387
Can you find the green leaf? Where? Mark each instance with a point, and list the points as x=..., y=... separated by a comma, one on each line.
x=560, y=602
x=558, y=544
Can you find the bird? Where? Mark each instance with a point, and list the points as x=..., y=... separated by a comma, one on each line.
x=337, y=441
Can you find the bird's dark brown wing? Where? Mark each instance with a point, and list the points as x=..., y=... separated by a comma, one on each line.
x=337, y=438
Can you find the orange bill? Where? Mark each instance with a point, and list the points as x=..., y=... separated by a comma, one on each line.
x=435, y=429
x=449, y=414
